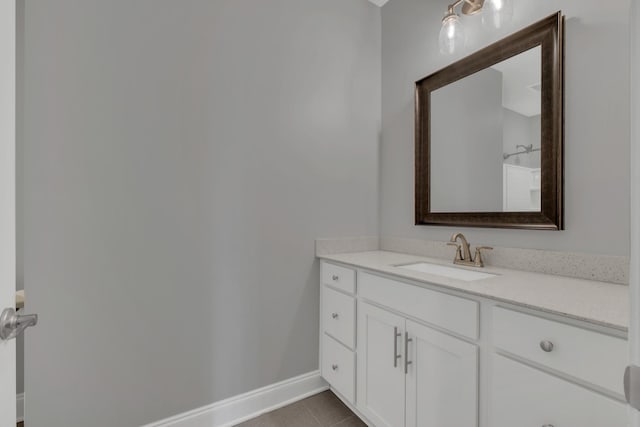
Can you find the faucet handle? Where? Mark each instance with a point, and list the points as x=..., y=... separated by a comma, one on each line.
x=458, y=250
x=478, y=258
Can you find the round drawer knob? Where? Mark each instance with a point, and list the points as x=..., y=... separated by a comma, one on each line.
x=546, y=346
x=334, y=367
x=334, y=315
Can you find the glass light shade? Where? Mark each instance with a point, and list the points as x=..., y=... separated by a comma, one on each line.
x=451, y=35
x=497, y=13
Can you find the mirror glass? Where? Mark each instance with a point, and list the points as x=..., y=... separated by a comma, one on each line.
x=486, y=139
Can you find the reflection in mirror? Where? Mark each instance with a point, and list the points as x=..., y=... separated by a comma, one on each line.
x=486, y=139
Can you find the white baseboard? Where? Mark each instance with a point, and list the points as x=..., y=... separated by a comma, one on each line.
x=20, y=406
x=237, y=409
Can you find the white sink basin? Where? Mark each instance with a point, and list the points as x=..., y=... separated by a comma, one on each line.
x=450, y=272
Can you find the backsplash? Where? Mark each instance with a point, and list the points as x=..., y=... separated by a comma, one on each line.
x=604, y=268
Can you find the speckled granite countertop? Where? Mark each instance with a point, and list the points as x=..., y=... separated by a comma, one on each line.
x=599, y=303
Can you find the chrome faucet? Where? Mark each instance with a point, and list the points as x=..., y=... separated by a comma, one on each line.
x=463, y=251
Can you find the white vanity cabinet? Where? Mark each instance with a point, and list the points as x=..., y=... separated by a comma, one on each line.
x=533, y=355
x=337, y=328
x=593, y=357
x=409, y=374
x=412, y=375
x=412, y=355
x=381, y=377
x=527, y=397
x=442, y=380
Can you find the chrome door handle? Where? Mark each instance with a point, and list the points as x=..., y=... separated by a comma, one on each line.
x=407, y=362
x=13, y=324
x=632, y=386
x=396, y=356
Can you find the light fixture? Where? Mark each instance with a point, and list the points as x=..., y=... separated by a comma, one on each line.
x=452, y=35
x=496, y=15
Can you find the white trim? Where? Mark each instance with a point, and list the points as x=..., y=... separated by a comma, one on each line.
x=634, y=332
x=237, y=409
x=7, y=202
x=634, y=268
x=20, y=407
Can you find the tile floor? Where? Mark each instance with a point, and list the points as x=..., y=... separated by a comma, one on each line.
x=321, y=410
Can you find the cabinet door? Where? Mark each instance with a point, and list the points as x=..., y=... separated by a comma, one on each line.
x=526, y=397
x=442, y=379
x=381, y=378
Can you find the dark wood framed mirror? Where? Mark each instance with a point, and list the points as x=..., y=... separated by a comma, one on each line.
x=490, y=135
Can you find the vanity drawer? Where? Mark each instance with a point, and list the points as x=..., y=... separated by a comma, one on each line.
x=338, y=367
x=339, y=316
x=449, y=312
x=590, y=356
x=526, y=397
x=339, y=277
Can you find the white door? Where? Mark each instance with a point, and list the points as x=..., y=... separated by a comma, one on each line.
x=634, y=277
x=7, y=204
x=381, y=378
x=442, y=379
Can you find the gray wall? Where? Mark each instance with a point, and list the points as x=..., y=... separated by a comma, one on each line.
x=466, y=144
x=597, y=120
x=180, y=157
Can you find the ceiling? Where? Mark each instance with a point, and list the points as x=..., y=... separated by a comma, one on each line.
x=521, y=77
x=379, y=2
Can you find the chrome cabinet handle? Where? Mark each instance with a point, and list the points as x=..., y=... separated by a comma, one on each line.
x=407, y=362
x=334, y=315
x=546, y=346
x=396, y=356
x=335, y=278
x=13, y=324
x=334, y=367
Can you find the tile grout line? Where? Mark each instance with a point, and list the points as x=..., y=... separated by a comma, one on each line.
x=331, y=425
x=337, y=422
x=306, y=411
x=341, y=421
x=311, y=413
